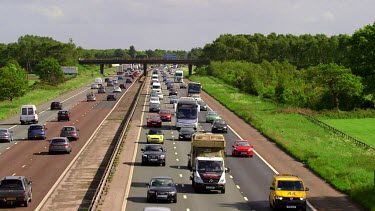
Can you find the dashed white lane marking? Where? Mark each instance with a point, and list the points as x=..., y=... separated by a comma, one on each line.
x=23, y=166
x=185, y=197
x=174, y=147
x=246, y=199
x=8, y=148
x=177, y=159
x=180, y=175
x=174, y=142
x=171, y=132
x=175, y=153
x=187, y=209
x=13, y=174
x=238, y=187
x=231, y=176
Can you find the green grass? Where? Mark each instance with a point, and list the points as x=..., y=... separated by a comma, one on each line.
x=39, y=96
x=362, y=129
x=344, y=164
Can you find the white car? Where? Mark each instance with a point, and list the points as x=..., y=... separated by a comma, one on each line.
x=94, y=86
x=116, y=89
x=196, y=97
x=154, y=100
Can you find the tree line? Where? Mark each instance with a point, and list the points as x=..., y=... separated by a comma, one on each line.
x=313, y=71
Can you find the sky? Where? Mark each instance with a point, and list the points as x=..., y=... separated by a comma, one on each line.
x=176, y=24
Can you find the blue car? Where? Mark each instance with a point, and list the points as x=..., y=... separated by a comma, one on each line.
x=36, y=131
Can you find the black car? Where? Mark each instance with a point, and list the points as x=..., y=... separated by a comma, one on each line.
x=173, y=92
x=219, y=126
x=202, y=105
x=185, y=133
x=153, y=154
x=154, y=107
x=110, y=83
x=161, y=189
x=111, y=97
x=123, y=86
x=101, y=90
x=106, y=79
x=63, y=115
x=129, y=80
x=56, y=105
x=170, y=85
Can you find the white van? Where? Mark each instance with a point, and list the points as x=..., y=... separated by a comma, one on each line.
x=155, y=76
x=98, y=81
x=157, y=88
x=29, y=114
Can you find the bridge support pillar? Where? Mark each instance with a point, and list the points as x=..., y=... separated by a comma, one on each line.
x=190, y=69
x=145, y=69
x=102, y=69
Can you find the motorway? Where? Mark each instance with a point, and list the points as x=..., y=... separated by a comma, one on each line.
x=31, y=158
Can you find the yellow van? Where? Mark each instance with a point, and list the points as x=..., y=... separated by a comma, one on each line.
x=287, y=192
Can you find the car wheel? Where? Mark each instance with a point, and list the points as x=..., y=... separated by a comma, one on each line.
x=163, y=164
x=223, y=190
x=26, y=203
x=148, y=199
x=175, y=200
x=22, y=122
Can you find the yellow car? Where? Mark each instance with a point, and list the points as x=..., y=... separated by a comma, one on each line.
x=287, y=192
x=155, y=136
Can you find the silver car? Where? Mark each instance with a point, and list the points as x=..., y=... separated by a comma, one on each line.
x=60, y=144
x=6, y=135
x=70, y=132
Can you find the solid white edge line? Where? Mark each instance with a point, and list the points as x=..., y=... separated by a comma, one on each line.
x=269, y=165
x=41, y=204
x=127, y=190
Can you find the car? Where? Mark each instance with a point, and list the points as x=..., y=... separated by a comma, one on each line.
x=36, y=131
x=242, y=148
x=173, y=92
x=185, y=133
x=170, y=85
x=115, y=81
x=116, y=89
x=211, y=116
x=15, y=190
x=160, y=94
x=63, y=115
x=287, y=191
x=111, y=97
x=120, y=77
x=155, y=136
x=60, y=144
x=71, y=132
x=154, y=94
x=202, y=105
x=101, y=90
x=154, y=107
x=123, y=86
x=153, y=154
x=154, y=120
x=106, y=79
x=165, y=115
x=95, y=86
x=56, y=105
x=91, y=97
x=6, y=135
x=129, y=80
x=173, y=99
x=110, y=83
x=154, y=100
x=183, y=86
x=219, y=126
x=196, y=97
x=161, y=188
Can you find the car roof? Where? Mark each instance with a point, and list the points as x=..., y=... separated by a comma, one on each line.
x=154, y=114
x=162, y=177
x=13, y=177
x=156, y=209
x=69, y=126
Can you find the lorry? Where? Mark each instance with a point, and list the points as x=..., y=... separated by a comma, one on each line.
x=206, y=161
x=69, y=70
x=119, y=70
x=15, y=190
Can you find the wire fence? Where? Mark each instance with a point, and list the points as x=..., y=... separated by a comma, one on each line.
x=324, y=125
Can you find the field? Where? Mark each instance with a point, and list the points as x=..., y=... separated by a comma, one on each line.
x=344, y=164
x=361, y=129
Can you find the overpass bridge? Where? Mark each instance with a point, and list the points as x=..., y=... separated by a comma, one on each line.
x=145, y=62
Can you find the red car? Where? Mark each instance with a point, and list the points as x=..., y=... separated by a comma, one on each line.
x=154, y=120
x=165, y=115
x=242, y=148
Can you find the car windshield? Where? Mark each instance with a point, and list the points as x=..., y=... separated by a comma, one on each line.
x=11, y=184
x=290, y=185
x=3, y=131
x=58, y=140
x=210, y=166
x=194, y=88
x=164, y=112
x=36, y=127
x=162, y=182
x=187, y=129
x=68, y=129
x=155, y=148
x=242, y=143
x=154, y=132
x=154, y=105
x=155, y=117
x=219, y=122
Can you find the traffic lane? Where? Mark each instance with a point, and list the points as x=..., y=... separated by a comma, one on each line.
x=44, y=169
x=45, y=116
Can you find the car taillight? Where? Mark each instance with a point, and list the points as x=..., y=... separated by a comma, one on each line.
x=65, y=145
x=50, y=144
x=41, y=130
x=6, y=134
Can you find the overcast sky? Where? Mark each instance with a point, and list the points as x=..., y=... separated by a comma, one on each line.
x=176, y=24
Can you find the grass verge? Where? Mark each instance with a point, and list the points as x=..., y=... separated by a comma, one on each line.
x=342, y=163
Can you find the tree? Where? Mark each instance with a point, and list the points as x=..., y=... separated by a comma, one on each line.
x=50, y=72
x=132, y=51
x=338, y=80
x=13, y=81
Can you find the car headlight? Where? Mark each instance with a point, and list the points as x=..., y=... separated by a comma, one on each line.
x=172, y=192
x=162, y=156
x=225, y=127
x=145, y=156
x=151, y=191
x=235, y=149
x=302, y=198
x=278, y=197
